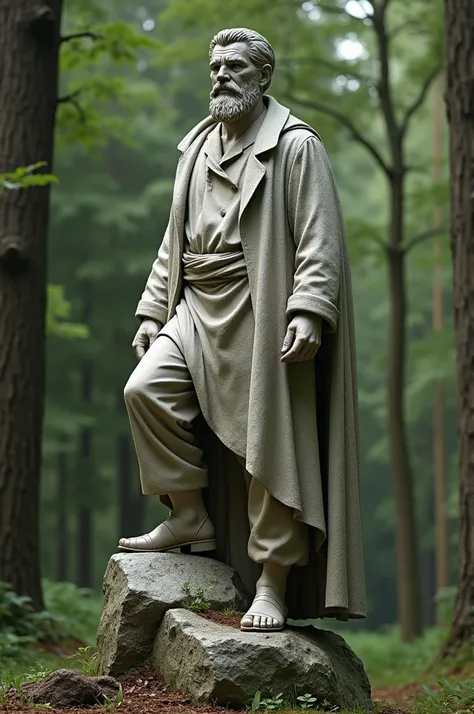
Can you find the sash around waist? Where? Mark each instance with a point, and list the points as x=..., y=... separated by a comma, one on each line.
x=213, y=268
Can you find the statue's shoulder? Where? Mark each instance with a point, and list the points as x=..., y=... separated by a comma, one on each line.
x=296, y=132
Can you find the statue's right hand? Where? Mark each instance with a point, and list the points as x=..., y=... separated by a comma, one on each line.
x=145, y=337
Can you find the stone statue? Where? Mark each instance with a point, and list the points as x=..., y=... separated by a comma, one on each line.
x=243, y=406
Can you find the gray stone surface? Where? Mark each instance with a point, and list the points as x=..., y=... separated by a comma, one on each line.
x=139, y=588
x=211, y=662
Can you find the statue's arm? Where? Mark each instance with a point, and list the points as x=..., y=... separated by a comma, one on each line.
x=154, y=300
x=316, y=225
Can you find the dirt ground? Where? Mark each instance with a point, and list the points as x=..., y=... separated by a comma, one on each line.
x=146, y=693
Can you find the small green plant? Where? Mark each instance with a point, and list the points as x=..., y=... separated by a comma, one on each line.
x=306, y=701
x=86, y=657
x=37, y=672
x=196, y=601
x=113, y=703
x=11, y=681
x=452, y=696
x=230, y=612
x=267, y=704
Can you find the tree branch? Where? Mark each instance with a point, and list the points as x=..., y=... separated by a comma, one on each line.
x=72, y=99
x=413, y=108
x=79, y=36
x=336, y=67
x=384, y=83
x=344, y=121
x=422, y=237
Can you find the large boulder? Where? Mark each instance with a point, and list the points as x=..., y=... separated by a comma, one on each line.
x=139, y=588
x=213, y=663
x=67, y=688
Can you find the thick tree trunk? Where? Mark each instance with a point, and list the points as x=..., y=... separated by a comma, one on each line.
x=408, y=579
x=459, y=16
x=29, y=32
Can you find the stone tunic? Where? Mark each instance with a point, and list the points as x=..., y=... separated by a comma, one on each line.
x=214, y=319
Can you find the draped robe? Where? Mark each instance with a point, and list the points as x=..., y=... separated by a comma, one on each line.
x=302, y=430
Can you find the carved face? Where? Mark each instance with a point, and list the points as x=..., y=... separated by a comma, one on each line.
x=237, y=84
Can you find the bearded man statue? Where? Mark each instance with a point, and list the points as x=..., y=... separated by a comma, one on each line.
x=243, y=406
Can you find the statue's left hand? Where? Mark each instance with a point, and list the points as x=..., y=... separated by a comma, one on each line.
x=302, y=339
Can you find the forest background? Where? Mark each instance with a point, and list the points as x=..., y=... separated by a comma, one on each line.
x=120, y=116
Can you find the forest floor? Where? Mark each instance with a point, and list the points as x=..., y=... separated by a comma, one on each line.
x=146, y=693
x=406, y=679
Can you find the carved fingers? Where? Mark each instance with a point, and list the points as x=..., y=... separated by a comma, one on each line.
x=302, y=339
x=145, y=337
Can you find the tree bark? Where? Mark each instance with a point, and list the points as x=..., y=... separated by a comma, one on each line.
x=459, y=39
x=131, y=504
x=62, y=518
x=29, y=33
x=439, y=435
x=406, y=547
x=84, y=513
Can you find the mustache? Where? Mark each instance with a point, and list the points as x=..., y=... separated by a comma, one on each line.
x=229, y=87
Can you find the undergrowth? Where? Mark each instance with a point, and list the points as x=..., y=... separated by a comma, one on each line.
x=27, y=638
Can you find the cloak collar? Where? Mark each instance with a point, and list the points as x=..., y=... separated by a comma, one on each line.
x=275, y=119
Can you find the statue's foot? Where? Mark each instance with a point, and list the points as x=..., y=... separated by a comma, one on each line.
x=174, y=533
x=267, y=612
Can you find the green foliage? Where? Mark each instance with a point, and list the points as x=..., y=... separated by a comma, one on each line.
x=278, y=702
x=87, y=659
x=390, y=662
x=196, y=600
x=26, y=177
x=71, y=613
x=268, y=704
x=20, y=625
x=58, y=316
x=450, y=696
x=77, y=610
x=306, y=701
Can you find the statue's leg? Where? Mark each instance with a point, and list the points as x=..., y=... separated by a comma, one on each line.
x=277, y=541
x=162, y=404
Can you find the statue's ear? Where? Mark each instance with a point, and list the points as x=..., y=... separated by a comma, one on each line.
x=265, y=76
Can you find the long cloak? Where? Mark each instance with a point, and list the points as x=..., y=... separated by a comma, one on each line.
x=302, y=425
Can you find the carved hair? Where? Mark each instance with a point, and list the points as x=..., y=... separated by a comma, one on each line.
x=260, y=50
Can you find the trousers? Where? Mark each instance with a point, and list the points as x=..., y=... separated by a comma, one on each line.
x=161, y=404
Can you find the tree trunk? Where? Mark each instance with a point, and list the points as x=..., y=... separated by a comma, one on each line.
x=84, y=515
x=62, y=519
x=439, y=436
x=408, y=580
x=131, y=506
x=29, y=33
x=459, y=37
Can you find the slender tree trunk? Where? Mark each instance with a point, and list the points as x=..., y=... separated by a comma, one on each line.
x=459, y=17
x=29, y=33
x=408, y=580
x=131, y=508
x=62, y=518
x=439, y=438
x=124, y=485
x=84, y=514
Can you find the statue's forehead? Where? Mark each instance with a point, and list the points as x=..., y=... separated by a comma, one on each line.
x=237, y=50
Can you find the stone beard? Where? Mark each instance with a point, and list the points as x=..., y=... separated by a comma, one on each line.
x=225, y=108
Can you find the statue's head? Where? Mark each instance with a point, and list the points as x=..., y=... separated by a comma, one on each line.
x=242, y=64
